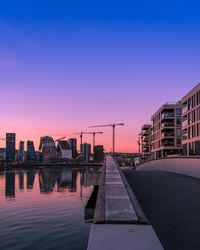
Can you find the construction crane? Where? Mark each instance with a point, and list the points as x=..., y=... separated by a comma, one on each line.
x=81, y=137
x=113, y=125
x=89, y=133
x=59, y=139
x=94, y=135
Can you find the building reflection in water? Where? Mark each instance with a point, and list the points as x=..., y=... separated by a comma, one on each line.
x=21, y=180
x=10, y=184
x=64, y=180
x=47, y=180
x=67, y=180
x=30, y=177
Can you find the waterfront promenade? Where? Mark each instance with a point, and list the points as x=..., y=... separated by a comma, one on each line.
x=119, y=222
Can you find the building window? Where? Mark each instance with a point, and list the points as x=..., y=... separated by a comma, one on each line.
x=178, y=112
x=178, y=142
x=178, y=132
x=178, y=122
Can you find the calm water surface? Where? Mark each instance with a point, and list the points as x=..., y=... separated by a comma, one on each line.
x=43, y=210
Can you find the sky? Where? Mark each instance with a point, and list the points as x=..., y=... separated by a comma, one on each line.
x=66, y=65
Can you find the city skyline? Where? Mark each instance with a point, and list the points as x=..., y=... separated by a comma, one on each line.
x=66, y=66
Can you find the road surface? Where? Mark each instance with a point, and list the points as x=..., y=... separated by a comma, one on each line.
x=171, y=203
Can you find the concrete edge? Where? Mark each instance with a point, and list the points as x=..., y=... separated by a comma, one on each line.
x=134, y=201
x=99, y=215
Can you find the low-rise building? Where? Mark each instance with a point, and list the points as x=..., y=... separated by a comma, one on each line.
x=191, y=122
x=166, y=131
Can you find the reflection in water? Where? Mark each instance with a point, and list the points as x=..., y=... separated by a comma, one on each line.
x=37, y=221
x=21, y=180
x=67, y=180
x=47, y=180
x=10, y=184
x=30, y=177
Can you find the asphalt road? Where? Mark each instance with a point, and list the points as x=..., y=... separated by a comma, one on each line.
x=171, y=203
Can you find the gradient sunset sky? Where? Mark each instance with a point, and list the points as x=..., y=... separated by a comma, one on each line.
x=65, y=65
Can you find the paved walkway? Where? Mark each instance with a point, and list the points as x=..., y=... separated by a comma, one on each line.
x=118, y=206
x=171, y=203
x=117, y=226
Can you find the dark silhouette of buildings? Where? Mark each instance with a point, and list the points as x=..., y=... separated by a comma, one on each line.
x=10, y=146
x=86, y=152
x=98, y=153
x=21, y=151
x=48, y=150
x=64, y=150
x=73, y=145
x=31, y=154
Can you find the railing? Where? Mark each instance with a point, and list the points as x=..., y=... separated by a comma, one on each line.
x=166, y=134
x=167, y=115
x=184, y=123
x=167, y=144
x=167, y=124
x=185, y=109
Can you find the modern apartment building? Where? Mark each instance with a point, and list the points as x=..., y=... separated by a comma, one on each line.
x=191, y=122
x=146, y=141
x=166, y=131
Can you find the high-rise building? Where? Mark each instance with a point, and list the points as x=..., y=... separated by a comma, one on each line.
x=73, y=145
x=166, y=131
x=10, y=146
x=21, y=151
x=191, y=122
x=48, y=149
x=31, y=154
x=64, y=150
x=98, y=153
x=146, y=141
x=86, y=152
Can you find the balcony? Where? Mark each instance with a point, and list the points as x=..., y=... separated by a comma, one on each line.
x=145, y=132
x=167, y=134
x=146, y=138
x=184, y=110
x=167, y=143
x=184, y=123
x=167, y=115
x=167, y=125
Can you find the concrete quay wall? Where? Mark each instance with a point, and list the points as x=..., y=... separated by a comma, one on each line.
x=119, y=222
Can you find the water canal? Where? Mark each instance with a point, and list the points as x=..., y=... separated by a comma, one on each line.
x=44, y=209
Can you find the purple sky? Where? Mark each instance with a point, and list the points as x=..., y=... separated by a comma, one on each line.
x=64, y=67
